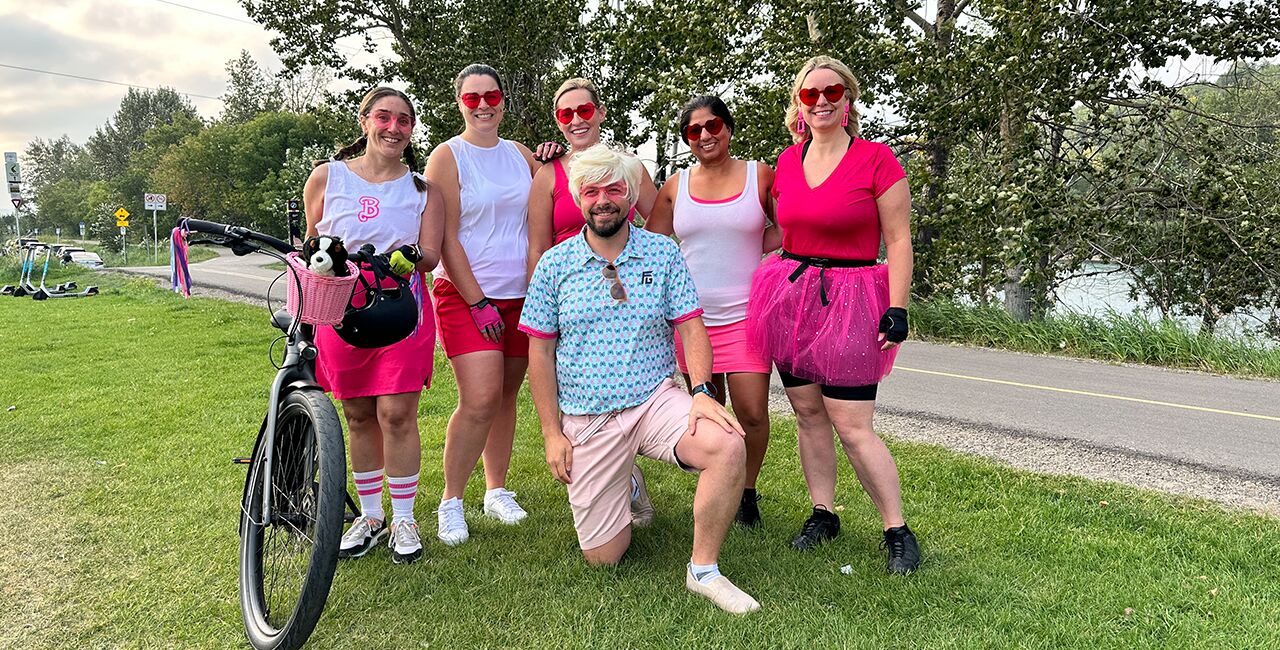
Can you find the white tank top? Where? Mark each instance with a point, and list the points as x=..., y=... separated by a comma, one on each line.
x=493, y=219
x=721, y=245
x=387, y=215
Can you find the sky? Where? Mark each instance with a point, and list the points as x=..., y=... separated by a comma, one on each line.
x=182, y=44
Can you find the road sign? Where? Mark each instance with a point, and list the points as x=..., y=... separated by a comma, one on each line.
x=81, y=230
x=122, y=219
x=155, y=202
x=12, y=171
x=122, y=229
x=15, y=189
x=17, y=203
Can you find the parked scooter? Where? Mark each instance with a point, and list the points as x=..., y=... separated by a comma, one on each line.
x=61, y=290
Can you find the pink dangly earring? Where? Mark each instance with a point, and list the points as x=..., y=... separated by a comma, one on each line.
x=799, y=122
x=844, y=121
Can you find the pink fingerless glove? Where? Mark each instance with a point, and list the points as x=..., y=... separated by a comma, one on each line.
x=486, y=315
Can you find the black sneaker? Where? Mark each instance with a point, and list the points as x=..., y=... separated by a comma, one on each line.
x=821, y=526
x=904, y=553
x=749, y=509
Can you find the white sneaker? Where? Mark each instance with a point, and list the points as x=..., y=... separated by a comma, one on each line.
x=363, y=535
x=723, y=593
x=452, y=528
x=500, y=504
x=405, y=542
x=641, y=506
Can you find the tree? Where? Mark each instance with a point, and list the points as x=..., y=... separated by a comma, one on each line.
x=250, y=91
x=113, y=144
x=241, y=173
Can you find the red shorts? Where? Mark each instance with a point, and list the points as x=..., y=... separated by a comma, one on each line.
x=459, y=334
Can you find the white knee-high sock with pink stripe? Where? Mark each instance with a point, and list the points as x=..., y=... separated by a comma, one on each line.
x=403, y=491
x=369, y=489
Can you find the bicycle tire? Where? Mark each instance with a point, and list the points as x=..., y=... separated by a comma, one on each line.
x=308, y=478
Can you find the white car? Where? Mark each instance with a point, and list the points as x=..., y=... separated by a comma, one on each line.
x=86, y=259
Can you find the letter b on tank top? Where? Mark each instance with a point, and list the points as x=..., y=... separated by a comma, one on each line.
x=368, y=208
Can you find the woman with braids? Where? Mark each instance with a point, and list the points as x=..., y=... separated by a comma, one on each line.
x=479, y=291
x=370, y=193
x=718, y=209
x=554, y=215
x=827, y=314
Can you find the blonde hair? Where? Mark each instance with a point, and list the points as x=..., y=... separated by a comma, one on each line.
x=851, y=92
x=577, y=83
x=603, y=165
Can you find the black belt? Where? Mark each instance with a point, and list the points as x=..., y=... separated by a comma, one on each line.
x=823, y=263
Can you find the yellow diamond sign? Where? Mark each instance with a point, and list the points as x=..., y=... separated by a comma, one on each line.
x=122, y=218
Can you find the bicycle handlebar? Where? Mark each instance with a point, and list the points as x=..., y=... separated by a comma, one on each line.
x=238, y=233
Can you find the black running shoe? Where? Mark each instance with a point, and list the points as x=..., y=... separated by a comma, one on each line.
x=749, y=509
x=821, y=526
x=904, y=553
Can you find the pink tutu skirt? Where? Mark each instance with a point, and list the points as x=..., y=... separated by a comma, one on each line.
x=834, y=344
x=405, y=367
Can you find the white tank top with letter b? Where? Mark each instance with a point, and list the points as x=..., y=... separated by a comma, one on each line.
x=493, y=218
x=721, y=244
x=387, y=215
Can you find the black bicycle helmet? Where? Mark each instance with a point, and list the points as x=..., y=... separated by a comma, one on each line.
x=389, y=314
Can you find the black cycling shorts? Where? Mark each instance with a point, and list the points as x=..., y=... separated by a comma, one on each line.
x=845, y=393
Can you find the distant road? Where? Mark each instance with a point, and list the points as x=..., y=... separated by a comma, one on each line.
x=1221, y=423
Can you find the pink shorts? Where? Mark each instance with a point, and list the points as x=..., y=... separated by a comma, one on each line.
x=405, y=367
x=730, y=351
x=604, y=450
x=459, y=334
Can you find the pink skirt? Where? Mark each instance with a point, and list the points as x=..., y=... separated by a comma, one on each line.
x=730, y=351
x=834, y=344
x=405, y=367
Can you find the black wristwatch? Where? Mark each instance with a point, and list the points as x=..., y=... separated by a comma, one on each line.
x=706, y=388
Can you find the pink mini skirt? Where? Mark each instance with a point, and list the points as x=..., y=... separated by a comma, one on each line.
x=405, y=367
x=730, y=350
x=835, y=344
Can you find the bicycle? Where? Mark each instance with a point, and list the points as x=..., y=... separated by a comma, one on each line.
x=292, y=507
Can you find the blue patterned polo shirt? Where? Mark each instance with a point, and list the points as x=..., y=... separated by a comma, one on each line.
x=610, y=355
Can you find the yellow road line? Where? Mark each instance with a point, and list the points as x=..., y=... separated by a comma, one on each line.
x=1086, y=393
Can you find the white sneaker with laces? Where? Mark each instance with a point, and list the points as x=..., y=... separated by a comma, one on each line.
x=405, y=542
x=363, y=535
x=500, y=504
x=452, y=526
x=723, y=593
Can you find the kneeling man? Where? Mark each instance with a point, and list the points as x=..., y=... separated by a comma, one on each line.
x=600, y=311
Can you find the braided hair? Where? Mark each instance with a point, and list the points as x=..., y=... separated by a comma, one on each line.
x=361, y=143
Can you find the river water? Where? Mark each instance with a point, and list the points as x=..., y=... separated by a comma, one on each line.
x=1097, y=294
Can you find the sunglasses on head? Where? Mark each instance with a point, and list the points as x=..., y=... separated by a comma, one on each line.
x=472, y=100
x=384, y=119
x=585, y=111
x=713, y=126
x=833, y=93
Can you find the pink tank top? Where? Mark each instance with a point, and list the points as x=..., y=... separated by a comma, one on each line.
x=837, y=219
x=566, y=216
x=721, y=242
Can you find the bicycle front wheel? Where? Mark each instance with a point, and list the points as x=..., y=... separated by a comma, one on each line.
x=288, y=558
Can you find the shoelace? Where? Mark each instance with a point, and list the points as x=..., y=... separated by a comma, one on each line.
x=406, y=534
x=506, y=500
x=897, y=548
x=810, y=526
x=360, y=529
x=453, y=518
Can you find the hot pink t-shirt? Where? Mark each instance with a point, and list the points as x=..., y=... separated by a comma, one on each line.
x=837, y=219
x=566, y=216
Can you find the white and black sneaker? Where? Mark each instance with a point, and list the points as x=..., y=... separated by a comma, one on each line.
x=364, y=534
x=405, y=542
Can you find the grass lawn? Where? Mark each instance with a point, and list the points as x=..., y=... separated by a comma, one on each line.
x=121, y=512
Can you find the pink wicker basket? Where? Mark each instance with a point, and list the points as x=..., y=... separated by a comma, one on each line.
x=324, y=298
